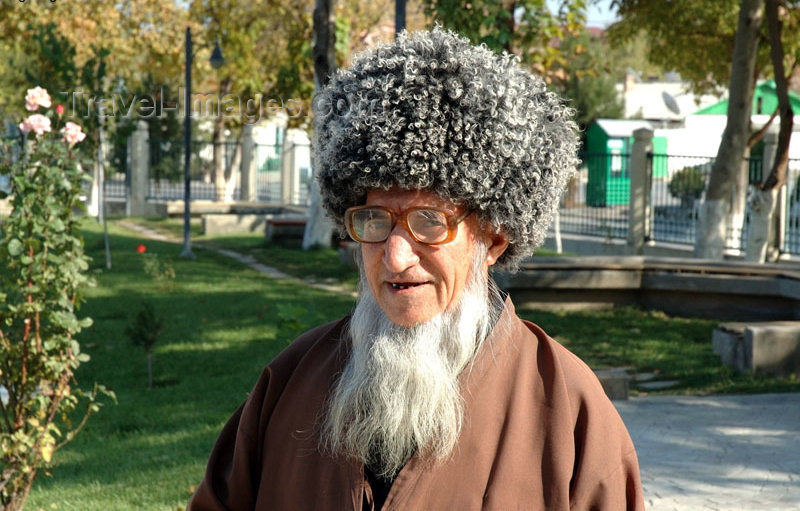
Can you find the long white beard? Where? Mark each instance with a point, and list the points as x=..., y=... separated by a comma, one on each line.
x=399, y=392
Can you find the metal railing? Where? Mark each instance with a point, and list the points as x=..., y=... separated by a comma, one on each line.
x=595, y=206
x=676, y=195
x=677, y=192
x=167, y=180
x=596, y=202
x=167, y=167
x=269, y=175
x=10, y=150
x=791, y=231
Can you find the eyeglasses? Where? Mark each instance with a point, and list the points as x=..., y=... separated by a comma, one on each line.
x=431, y=226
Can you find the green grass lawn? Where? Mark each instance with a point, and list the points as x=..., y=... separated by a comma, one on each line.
x=669, y=348
x=223, y=322
x=318, y=265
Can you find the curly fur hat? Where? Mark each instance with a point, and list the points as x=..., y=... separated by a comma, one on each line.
x=430, y=111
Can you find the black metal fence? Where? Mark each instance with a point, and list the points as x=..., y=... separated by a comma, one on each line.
x=678, y=189
x=791, y=236
x=596, y=202
x=269, y=175
x=675, y=196
x=10, y=151
x=595, y=206
x=167, y=168
x=167, y=171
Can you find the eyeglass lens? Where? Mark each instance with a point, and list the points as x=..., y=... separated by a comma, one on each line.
x=375, y=224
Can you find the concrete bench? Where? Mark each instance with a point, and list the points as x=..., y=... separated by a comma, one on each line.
x=292, y=228
x=227, y=223
x=615, y=382
x=771, y=347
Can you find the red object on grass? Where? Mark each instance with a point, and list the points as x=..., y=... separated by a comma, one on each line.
x=141, y=249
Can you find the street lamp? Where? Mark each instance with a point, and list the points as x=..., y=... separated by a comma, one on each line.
x=217, y=61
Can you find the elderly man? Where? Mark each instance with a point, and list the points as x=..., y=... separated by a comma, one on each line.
x=442, y=159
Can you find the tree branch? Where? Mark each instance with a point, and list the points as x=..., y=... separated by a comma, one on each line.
x=777, y=176
x=758, y=135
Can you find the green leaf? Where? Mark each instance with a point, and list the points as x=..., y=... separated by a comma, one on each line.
x=57, y=225
x=14, y=247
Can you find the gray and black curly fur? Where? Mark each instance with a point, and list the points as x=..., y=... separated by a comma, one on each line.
x=430, y=111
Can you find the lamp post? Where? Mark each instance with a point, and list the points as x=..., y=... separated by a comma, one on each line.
x=399, y=16
x=217, y=61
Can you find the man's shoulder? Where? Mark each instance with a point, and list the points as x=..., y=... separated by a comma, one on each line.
x=566, y=358
x=557, y=363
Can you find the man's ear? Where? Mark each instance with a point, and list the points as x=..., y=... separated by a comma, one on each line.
x=496, y=244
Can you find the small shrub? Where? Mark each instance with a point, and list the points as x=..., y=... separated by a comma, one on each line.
x=160, y=271
x=144, y=331
x=687, y=185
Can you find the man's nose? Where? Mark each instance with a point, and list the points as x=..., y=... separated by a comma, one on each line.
x=399, y=251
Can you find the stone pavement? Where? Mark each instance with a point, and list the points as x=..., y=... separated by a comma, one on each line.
x=727, y=453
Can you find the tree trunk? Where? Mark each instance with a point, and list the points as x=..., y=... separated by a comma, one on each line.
x=557, y=231
x=149, y=370
x=319, y=229
x=762, y=236
x=219, y=158
x=233, y=169
x=737, y=217
x=715, y=212
x=777, y=175
x=219, y=147
x=18, y=499
x=324, y=42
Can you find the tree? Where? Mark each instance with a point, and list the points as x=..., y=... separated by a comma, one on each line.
x=144, y=331
x=139, y=34
x=259, y=40
x=697, y=39
x=529, y=29
x=714, y=215
x=90, y=57
x=764, y=198
x=587, y=77
x=319, y=230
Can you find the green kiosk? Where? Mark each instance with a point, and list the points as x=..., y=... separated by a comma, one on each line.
x=607, y=158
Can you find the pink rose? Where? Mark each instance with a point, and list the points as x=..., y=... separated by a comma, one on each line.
x=37, y=123
x=60, y=110
x=72, y=133
x=35, y=98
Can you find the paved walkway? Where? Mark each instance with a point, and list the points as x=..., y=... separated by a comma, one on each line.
x=242, y=258
x=728, y=453
x=722, y=453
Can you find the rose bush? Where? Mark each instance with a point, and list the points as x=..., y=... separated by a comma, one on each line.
x=42, y=272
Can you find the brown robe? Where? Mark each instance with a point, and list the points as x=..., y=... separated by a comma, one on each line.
x=539, y=434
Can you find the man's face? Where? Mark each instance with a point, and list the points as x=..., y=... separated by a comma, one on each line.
x=412, y=281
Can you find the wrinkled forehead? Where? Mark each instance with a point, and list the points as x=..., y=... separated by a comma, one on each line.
x=398, y=199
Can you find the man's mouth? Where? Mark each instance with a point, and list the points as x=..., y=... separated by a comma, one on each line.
x=404, y=285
